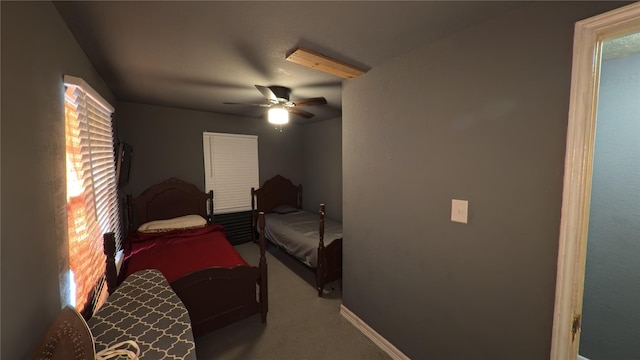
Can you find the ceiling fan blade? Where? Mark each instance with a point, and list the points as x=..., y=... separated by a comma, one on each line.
x=310, y=101
x=302, y=113
x=248, y=104
x=267, y=92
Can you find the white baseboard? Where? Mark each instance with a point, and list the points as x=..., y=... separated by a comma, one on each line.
x=582, y=358
x=377, y=339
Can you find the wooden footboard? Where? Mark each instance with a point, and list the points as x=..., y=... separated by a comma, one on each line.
x=329, y=265
x=216, y=297
x=329, y=258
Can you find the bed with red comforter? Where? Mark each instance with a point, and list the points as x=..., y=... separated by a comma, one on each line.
x=216, y=285
x=179, y=252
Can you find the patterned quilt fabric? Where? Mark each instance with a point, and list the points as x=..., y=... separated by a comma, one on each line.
x=145, y=309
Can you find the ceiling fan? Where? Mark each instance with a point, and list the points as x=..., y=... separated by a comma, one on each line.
x=280, y=105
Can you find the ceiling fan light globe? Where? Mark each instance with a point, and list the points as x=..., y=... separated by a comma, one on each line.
x=278, y=116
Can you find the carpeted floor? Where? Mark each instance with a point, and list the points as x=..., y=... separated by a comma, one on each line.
x=300, y=325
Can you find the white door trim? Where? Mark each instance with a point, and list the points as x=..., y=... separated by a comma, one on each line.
x=578, y=171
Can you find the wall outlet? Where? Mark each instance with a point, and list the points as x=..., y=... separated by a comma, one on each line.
x=459, y=210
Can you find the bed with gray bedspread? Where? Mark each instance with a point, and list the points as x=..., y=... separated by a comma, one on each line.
x=298, y=233
x=310, y=237
x=146, y=310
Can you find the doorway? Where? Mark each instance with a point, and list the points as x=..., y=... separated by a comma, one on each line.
x=582, y=175
x=610, y=312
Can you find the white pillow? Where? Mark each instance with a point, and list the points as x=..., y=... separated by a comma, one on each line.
x=181, y=222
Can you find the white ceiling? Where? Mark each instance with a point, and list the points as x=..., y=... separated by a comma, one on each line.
x=197, y=55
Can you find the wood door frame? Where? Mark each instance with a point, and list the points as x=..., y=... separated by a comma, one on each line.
x=574, y=222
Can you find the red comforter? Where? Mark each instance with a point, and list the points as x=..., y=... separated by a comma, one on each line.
x=179, y=252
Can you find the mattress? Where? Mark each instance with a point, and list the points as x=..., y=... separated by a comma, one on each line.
x=177, y=253
x=299, y=233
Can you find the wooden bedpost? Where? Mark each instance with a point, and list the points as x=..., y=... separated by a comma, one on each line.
x=210, y=207
x=111, y=272
x=129, y=205
x=264, y=298
x=321, y=263
x=254, y=216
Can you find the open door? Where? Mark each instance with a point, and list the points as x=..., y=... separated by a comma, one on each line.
x=588, y=39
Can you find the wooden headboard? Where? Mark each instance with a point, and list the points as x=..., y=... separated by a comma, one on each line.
x=275, y=192
x=168, y=199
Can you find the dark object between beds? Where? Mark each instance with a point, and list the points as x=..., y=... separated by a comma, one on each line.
x=214, y=296
x=280, y=191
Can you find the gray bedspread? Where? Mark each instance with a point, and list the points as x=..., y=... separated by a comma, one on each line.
x=146, y=310
x=298, y=233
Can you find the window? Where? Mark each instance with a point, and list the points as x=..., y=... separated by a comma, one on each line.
x=231, y=170
x=92, y=202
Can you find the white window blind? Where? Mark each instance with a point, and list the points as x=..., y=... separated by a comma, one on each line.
x=92, y=202
x=231, y=170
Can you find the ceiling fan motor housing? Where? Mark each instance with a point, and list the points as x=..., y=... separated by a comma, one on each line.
x=281, y=92
x=278, y=97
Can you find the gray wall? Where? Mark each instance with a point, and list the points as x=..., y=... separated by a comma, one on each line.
x=322, y=151
x=168, y=142
x=480, y=115
x=612, y=282
x=37, y=50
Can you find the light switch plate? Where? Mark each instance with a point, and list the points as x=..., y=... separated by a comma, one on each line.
x=459, y=210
